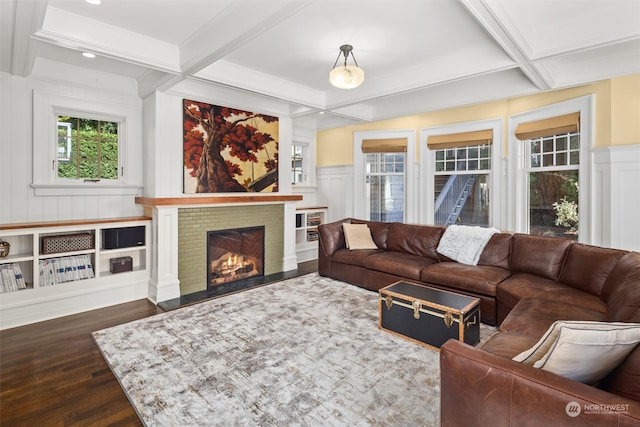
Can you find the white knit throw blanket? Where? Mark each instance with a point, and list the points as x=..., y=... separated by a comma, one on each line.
x=464, y=243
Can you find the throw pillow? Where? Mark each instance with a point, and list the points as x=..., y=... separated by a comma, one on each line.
x=358, y=236
x=582, y=351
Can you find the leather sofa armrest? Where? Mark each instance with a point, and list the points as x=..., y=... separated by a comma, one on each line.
x=331, y=237
x=481, y=388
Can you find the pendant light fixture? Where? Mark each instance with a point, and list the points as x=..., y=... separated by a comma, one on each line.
x=346, y=76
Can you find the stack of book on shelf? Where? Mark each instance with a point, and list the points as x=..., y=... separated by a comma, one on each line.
x=11, y=278
x=312, y=235
x=313, y=220
x=65, y=269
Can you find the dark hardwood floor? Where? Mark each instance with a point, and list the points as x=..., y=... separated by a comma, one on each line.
x=52, y=373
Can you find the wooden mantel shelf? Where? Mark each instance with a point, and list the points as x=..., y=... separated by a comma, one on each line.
x=218, y=200
x=66, y=223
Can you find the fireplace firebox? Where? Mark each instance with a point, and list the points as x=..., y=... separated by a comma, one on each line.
x=234, y=254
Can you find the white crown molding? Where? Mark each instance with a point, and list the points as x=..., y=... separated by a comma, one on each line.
x=76, y=32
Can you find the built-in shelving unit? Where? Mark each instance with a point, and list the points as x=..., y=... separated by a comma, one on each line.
x=38, y=283
x=307, y=221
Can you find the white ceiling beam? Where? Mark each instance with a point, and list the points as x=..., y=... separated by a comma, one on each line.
x=493, y=21
x=239, y=23
x=29, y=16
x=154, y=80
x=233, y=75
x=77, y=32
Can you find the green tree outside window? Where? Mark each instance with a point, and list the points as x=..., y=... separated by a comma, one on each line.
x=87, y=148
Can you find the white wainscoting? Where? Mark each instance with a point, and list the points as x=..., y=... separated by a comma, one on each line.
x=616, y=201
x=335, y=190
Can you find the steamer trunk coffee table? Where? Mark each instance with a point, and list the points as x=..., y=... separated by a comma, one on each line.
x=428, y=316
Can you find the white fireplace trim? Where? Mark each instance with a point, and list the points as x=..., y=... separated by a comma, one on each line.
x=164, y=284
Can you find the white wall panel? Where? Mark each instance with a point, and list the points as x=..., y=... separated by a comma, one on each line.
x=335, y=190
x=6, y=147
x=617, y=174
x=18, y=202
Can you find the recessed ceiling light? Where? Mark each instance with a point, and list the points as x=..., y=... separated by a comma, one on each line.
x=93, y=1
x=88, y=55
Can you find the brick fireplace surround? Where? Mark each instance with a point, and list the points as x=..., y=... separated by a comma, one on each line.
x=179, y=235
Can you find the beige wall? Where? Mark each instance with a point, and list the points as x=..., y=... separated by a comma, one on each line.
x=617, y=117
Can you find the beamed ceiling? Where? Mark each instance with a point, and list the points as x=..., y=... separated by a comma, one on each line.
x=418, y=55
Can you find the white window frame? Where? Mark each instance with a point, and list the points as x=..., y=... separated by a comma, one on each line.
x=69, y=142
x=359, y=180
x=496, y=173
x=306, y=164
x=518, y=186
x=380, y=173
x=46, y=109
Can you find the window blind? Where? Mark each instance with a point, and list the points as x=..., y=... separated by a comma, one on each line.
x=463, y=139
x=395, y=145
x=547, y=127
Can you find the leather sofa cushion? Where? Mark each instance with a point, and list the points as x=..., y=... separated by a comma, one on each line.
x=539, y=255
x=625, y=379
x=508, y=345
x=523, y=285
x=624, y=301
x=625, y=266
x=412, y=239
x=379, y=231
x=495, y=253
x=357, y=257
x=398, y=264
x=533, y=316
x=587, y=267
x=473, y=278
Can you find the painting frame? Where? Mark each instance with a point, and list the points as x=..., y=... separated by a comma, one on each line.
x=228, y=150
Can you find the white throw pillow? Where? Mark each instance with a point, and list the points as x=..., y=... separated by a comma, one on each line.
x=358, y=236
x=582, y=351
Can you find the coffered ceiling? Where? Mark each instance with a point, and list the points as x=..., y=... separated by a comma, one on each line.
x=418, y=55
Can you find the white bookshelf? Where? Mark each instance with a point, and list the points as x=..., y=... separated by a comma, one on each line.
x=307, y=221
x=41, y=299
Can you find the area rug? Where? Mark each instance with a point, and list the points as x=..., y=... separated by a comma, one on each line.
x=302, y=352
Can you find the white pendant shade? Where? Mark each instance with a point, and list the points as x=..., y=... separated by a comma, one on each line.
x=346, y=77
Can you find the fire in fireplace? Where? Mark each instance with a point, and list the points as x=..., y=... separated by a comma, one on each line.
x=234, y=254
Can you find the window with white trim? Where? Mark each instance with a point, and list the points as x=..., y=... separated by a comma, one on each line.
x=384, y=175
x=461, y=185
x=86, y=147
x=550, y=168
x=554, y=175
x=298, y=169
x=460, y=179
x=385, y=189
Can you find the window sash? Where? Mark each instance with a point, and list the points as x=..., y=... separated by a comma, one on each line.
x=388, y=202
x=78, y=160
x=472, y=159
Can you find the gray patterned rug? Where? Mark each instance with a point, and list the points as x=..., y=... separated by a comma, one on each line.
x=303, y=352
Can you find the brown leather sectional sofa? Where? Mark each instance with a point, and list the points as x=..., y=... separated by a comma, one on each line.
x=524, y=283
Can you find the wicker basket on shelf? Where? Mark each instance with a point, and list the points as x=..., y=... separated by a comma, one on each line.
x=4, y=248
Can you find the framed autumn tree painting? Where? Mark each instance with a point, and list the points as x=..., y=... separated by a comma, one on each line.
x=227, y=150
